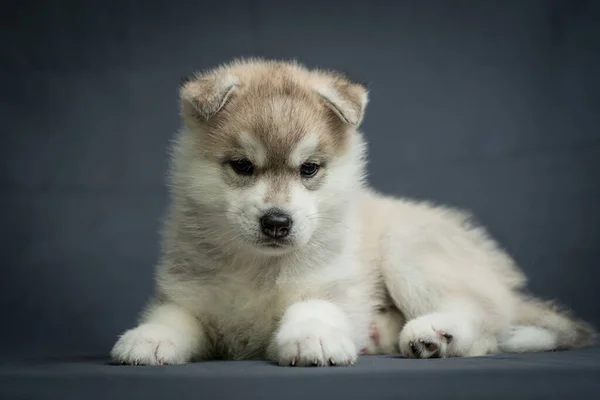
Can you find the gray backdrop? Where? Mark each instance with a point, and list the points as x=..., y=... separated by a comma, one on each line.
x=492, y=106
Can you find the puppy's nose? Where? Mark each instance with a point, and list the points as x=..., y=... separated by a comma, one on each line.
x=276, y=224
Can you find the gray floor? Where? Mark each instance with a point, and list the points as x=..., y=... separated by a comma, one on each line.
x=558, y=375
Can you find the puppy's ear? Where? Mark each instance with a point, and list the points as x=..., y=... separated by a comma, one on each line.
x=205, y=95
x=348, y=100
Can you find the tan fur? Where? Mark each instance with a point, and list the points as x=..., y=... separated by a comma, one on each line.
x=360, y=271
x=279, y=101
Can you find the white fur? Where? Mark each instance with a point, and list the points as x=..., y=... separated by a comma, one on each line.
x=314, y=332
x=172, y=337
x=528, y=338
x=353, y=252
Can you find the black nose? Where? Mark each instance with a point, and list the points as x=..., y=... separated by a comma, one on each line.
x=276, y=224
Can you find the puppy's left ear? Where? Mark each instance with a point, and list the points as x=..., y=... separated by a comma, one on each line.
x=348, y=100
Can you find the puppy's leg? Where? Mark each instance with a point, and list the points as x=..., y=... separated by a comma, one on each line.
x=168, y=334
x=314, y=333
x=456, y=331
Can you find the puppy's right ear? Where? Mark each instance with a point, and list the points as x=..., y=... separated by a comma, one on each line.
x=205, y=95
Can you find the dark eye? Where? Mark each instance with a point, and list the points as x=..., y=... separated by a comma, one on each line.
x=308, y=169
x=242, y=166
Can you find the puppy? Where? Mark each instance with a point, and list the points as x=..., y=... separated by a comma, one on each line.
x=274, y=246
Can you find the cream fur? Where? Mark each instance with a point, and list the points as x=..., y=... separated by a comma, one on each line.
x=364, y=271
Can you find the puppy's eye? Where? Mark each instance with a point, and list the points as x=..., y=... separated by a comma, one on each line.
x=308, y=169
x=242, y=166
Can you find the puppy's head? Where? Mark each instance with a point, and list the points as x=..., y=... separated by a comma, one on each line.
x=272, y=152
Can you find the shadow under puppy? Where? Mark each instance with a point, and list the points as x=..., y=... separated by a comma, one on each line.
x=275, y=247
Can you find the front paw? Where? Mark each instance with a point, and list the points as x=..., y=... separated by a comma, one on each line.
x=420, y=338
x=314, y=343
x=150, y=344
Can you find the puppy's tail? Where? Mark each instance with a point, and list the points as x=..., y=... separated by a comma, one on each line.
x=544, y=326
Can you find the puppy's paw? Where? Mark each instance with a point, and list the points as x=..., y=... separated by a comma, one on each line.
x=314, y=343
x=421, y=338
x=150, y=344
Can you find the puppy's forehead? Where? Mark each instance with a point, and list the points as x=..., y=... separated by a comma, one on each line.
x=278, y=129
x=277, y=119
x=293, y=152
x=281, y=123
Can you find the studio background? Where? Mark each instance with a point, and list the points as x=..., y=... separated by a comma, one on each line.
x=488, y=106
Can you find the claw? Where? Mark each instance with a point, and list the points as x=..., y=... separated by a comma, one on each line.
x=293, y=362
x=332, y=361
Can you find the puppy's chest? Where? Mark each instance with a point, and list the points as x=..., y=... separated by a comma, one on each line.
x=242, y=316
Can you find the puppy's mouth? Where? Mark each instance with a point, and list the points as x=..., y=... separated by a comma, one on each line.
x=275, y=245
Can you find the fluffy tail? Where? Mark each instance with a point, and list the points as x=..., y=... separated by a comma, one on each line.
x=544, y=326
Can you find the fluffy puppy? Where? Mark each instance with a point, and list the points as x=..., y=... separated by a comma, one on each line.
x=274, y=247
